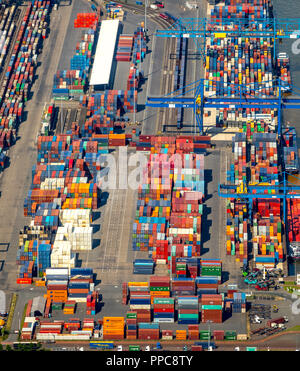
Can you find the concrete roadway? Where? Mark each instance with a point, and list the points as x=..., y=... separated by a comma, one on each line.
x=16, y=179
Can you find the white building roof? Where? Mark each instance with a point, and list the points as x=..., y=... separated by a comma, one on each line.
x=104, y=52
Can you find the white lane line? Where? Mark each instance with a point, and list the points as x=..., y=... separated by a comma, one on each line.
x=121, y=240
x=108, y=229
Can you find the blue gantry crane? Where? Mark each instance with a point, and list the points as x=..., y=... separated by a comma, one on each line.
x=247, y=192
x=244, y=97
x=199, y=29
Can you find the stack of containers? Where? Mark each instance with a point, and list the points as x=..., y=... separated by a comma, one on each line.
x=143, y=266
x=211, y=268
x=47, y=119
x=61, y=255
x=267, y=225
x=48, y=327
x=36, y=254
x=212, y=308
x=218, y=334
x=167, y=335
x=161, y=250
x=239, y=302
x=113, y=328
x=254, y=126
x=72, y=324
x=68, y=83
x=188, y=309
x=91, y=303
x=230, y=335
x=284, y=72
x=124, y=293
x=193, y=332
x=206, y=285
x=293, y=212
x=139, y=46
x=48, y=308
x=143, y=313
x=237, y=230
x=159, y=287
x=19, y=74
x=141, y=303
x=85, y=20
x=72, y=83
x=148, y=331
x=88, y=325
x=57, y=290
x=235, y=60
x=27, y=256
x=78, y=291
x=205, y=335
x=47, y=215
x=240, y=158
x=163, y=310
x=131, y=325
x=290, y=148
x=183, y=286
x=28, y=328
x=124, y=49
x=75, y=217
x=181, y=335
x=190, y=264
x=133, y=78
x=7, y=27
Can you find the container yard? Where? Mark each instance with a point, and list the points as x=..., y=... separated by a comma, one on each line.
x=149, y=181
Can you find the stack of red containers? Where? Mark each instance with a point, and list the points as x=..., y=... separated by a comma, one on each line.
x=193, y=332
x=143, y=315
x=91, y=303
x=218, y=334
x=124, y=48
x=85, y=20
x=149, y=333
x=210, y=302
x=28, y=309
x=49, y=327
x=124, y=293
x=161, y=250
x=73, y=324
x=184, y=145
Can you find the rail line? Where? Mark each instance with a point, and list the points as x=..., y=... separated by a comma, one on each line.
x=165, y=116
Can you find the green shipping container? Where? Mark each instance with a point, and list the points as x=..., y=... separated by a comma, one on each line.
x=134, y=348
x=131, y=315
x=212, y=307
x=159, y=288
x=187, y=315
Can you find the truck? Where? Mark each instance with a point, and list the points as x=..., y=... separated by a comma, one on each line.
x=277, y=321
x=205, y=345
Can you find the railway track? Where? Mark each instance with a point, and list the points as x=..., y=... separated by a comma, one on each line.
x=166, y=117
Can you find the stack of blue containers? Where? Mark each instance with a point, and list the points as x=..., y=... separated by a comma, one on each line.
x=44, y=261
x=80, y=62
x=81, y=273
x=239, y=302
x=143, y=266
x=23, y=272
x=140, y=300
